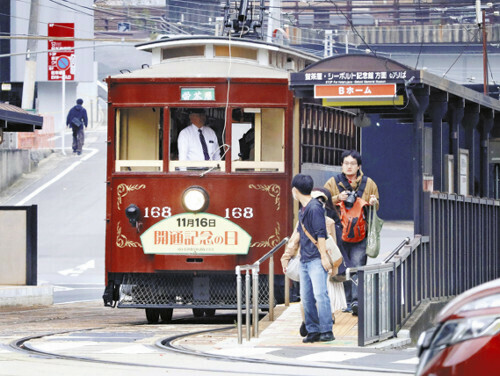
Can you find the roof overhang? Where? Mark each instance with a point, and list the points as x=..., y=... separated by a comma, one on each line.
x=15, y=119
x=367, y=69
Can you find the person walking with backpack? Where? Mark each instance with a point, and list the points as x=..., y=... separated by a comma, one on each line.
x=353, y=191
x=76, y=119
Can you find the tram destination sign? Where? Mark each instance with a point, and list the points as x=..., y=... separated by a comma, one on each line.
x=198, y=94
x=195, y=234
x=357, y=77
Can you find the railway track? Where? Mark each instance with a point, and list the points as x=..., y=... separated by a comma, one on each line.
x=181, y=357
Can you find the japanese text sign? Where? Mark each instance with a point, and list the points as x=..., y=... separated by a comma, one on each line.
x=195, y=234
x=198, y=94
x=355, y=91
x=61, y=52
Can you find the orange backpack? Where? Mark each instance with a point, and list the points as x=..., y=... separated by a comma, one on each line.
x=353, y=221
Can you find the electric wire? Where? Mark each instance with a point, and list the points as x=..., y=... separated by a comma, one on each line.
x=460, y=55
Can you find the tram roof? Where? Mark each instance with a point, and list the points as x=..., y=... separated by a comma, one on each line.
x=242, y=42
x=212, y=68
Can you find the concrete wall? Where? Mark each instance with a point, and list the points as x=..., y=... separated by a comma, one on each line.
x=13, y=163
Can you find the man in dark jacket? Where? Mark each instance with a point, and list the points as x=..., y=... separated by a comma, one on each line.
x=76, y=119
x=314, y=262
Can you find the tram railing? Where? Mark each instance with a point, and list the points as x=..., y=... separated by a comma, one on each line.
x=460, y=252
x=252, y=289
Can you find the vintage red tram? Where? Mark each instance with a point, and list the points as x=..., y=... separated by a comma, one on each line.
x=177, y=228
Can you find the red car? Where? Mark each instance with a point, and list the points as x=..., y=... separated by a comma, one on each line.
x=466, y=339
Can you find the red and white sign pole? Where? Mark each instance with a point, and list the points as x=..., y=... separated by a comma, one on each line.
x=59, y=60
x=63, y=104
x=63, y=64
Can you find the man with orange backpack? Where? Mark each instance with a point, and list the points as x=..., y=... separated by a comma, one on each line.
x=353, y=192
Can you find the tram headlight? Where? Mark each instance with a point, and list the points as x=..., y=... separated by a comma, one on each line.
x=195, y=199
x=133, y=213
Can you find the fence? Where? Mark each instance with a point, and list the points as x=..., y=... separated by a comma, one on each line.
x=252, y=292
x=461, y=251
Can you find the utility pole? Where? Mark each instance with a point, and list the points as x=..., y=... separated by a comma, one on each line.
x=481, y=22
x=485, y=56
x=273, y=19
x=30, y=63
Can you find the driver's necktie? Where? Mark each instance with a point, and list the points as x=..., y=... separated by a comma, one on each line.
x=204, y=145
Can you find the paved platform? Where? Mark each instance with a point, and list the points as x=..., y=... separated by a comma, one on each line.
x=284, y=331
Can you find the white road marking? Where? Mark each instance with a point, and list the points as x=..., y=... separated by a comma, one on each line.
x=246, y=351
x=62, y=288
x=77, y=270
x=66, y=171
x=131, y=349
x=408, y=361
x=334, y=356
x=56, y=346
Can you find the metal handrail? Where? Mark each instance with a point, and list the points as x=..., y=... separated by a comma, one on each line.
x=406, y=241
x=254, y=268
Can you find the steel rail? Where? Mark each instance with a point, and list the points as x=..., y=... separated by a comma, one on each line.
x=21, y=345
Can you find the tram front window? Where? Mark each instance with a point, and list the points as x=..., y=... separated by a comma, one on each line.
x=139, y=133
x=257, y=140
x=256, y=145
x=196, y=141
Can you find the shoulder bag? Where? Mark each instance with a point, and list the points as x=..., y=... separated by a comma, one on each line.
x=332, y=250
x=373, y=238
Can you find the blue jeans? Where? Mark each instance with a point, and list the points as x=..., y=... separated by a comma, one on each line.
x=314, y=296
x=356, y=256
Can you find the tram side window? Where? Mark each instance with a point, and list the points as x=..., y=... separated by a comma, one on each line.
x=257, y=142
x=139, y=133
x=185, y=143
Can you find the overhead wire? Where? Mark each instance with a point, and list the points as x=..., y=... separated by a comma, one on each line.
x=460, y=55
x=186, y=6
x=352, y=26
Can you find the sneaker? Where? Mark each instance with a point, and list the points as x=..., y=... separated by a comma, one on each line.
x=303, y=330
x=312, y=337
x=348, y=309
x=79, y=153
x=354, y=308
x=326, y=337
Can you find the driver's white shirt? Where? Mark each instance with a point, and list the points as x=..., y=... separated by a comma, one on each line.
x=189, y=144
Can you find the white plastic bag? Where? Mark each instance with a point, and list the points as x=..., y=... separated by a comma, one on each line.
x=293, y=269
x=337, y=294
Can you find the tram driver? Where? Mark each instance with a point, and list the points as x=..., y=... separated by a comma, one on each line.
x=198, y=142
